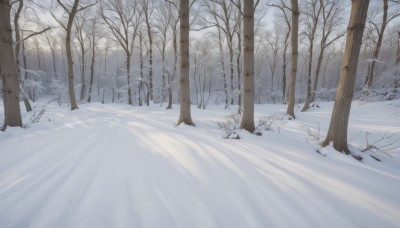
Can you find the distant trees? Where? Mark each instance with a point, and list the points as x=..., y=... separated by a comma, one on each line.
x=122, y=18
x=8, y=70
x=71, y=11
x=386, y=18
x=337, y=132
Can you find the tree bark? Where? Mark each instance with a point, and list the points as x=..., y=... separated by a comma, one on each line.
x=294, y=43
x=248, y=66
x=184, y=116
x=8, y=71
x=337, y=132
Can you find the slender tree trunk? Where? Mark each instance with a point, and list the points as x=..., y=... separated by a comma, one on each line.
x=248, y=66
x=232, y=71
x=8, y=71
x=239, y=80
x=223, y=68
x=171, y=80
x=128, y=71
x=309, y=83
x=284, y=100
x=92, y=70
x=184, y=116
x=317, y=73
x=70, y=62
x=149, y=34
x=398, y=49
x=371, y=66
x=238, y=58
x=337, y=132
x=83, y=73
x=293, y=70
x=28, y=106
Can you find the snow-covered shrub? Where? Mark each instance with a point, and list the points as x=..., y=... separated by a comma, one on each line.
x=313, y=133
x=59, y=91
x=231, y=126
x=385, y=87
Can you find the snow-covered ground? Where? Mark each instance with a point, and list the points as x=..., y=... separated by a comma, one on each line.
x=116, y=165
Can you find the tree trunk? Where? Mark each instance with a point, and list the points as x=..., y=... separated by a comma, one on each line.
x=238, y=58
x=337, y=132
x=317, y=72
x=128, y=71
x=171, y=80
x=91, y=71
x=83, y=75
x=150, y=36
x=184, y=116
x=223, y=68
x=284, y=97
x=293, y=70
x=248, y=66
x=398, y=49
x=70, y=62
x=371, y=66
x=8, y=71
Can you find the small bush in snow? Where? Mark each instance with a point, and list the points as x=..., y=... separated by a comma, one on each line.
x=231, y=126
x=314, y=134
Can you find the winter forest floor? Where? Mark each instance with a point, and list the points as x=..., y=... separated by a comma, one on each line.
x=116, y=165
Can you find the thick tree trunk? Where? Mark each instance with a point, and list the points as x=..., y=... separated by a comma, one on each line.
x=337, y=132
x=8, y=71
x=184, y=116
x=371, y=67
x=293, y=70
x=248, y=66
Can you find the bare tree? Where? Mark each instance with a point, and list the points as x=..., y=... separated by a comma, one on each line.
x=184, y=115
x=337, y=132
x=84, y=47
x=312, y=19
x=94, y=40
x=294, y=45
x=222, y=12
x=8, y=71
x=385, y=21
x=71, y=11
x=147, y=10
x=330, y=20
x=123, y=19
x=287, y=21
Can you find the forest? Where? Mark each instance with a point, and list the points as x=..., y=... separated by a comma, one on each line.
x=201, y=113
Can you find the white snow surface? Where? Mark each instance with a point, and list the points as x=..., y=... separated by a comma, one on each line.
x=116, y=165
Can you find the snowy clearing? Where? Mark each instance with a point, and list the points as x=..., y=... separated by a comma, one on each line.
x=124, y=166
